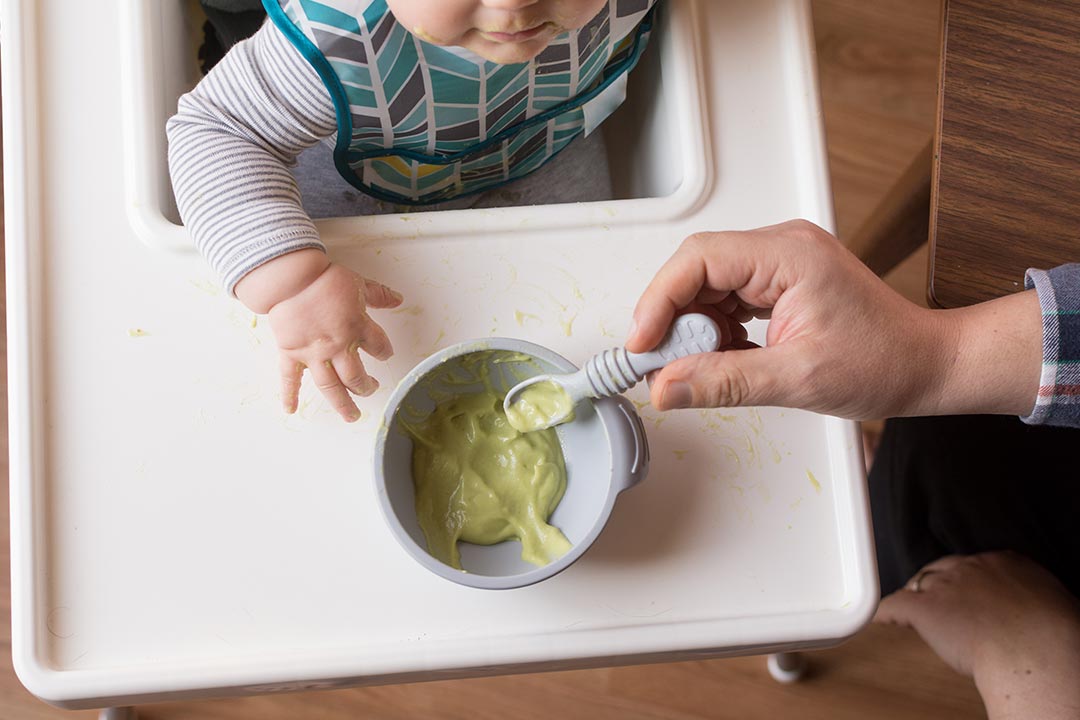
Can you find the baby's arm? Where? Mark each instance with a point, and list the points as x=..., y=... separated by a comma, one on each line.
x=230, y=146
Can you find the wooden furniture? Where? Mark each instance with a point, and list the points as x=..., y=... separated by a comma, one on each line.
x=897, y=226
x=1006, y=182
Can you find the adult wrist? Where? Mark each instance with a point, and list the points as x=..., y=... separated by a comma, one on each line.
x=1031, y=675
x=934, y=346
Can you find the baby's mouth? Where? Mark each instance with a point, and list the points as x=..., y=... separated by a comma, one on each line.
x=520, y=36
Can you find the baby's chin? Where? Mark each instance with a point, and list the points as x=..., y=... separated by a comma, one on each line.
x=505, y=53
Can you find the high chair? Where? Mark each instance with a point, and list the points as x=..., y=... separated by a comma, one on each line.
x=174, y=535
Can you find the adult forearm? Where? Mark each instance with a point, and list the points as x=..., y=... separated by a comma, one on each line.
x=1034, y=678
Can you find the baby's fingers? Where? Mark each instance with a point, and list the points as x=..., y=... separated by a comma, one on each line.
x=375, y=342
x=291, y=372
x=377, y=295
x=353, y=375
x=329, y=384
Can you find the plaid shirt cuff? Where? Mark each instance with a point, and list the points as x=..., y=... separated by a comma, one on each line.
x=1058, y=402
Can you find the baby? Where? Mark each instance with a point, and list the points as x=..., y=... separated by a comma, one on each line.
x=430, y=100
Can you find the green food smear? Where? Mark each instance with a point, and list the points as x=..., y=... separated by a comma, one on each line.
x=540, y=405
x=479, y=480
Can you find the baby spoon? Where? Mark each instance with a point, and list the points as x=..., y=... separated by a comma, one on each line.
x=546, y=400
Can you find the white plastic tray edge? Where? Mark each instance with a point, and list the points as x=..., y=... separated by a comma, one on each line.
x=862, y=593
x=449, y=660
x=800, y=33
x=21, y=201
x=860, y=560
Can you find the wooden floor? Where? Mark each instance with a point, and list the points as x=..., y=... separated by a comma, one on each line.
x=878, y=61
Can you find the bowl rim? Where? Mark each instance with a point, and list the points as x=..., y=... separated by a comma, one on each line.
x=604, y=411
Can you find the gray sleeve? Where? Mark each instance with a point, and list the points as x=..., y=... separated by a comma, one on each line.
x=231, y=144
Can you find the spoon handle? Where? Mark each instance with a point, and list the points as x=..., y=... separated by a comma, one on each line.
x=615, y=371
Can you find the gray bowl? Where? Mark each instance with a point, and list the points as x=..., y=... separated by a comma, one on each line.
x=605, y=449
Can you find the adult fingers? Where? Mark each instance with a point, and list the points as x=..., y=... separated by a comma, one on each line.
x=353, y=376
x=738, y=336
x=741, y=313
x=736, y=344
x=377, y=295
x=730, y=329
x=900, y=608
x=326, y=379
x=732, y=305
x=732, y=378
x=291, y=373
x=746, y=263
x=907, y=605
x=682, y=278
x=941, y=568
x=720, y=298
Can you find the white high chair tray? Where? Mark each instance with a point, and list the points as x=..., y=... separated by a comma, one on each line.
x=173, y=534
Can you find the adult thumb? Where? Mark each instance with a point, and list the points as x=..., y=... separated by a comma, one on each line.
x=728, y=378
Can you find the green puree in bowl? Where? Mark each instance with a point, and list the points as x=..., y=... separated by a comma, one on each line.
x=479, y=480
x=540, y=405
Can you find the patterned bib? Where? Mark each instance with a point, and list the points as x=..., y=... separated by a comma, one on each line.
x=420, y=124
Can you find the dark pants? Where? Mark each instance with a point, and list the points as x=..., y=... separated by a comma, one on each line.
x=969, y=484
x=228, y=22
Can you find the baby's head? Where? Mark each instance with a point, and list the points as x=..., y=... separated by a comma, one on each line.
x=503, y=31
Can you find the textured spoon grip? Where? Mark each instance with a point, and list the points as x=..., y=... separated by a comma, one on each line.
x=689, y=334
x=616, y=370
x=610, y=373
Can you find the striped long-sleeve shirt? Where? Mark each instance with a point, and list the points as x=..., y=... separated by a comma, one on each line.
x=1058, y=402
x=231, y=144
x=238, y=133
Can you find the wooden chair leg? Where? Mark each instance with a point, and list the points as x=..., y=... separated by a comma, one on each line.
x=901, y=221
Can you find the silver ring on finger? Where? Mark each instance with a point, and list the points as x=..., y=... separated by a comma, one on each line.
x=915, y=585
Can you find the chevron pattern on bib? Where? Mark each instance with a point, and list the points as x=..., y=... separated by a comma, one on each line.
x=429, y=123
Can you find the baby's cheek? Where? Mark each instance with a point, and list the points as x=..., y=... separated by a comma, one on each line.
x=440, y=23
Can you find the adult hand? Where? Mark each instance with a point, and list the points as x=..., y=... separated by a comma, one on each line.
x=840, y=341
x=1003, y=620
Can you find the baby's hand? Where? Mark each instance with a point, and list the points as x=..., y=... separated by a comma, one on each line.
x=322, y=327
